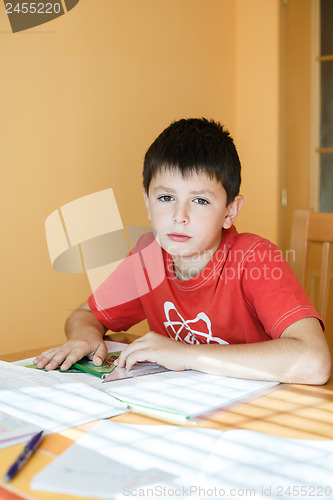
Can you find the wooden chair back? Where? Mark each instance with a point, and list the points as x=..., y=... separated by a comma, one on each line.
x=307, y=227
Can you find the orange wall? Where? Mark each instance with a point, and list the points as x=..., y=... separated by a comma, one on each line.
x=81, y=100
x=257, y=102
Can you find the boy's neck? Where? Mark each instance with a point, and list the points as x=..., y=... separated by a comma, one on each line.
x=186, y=268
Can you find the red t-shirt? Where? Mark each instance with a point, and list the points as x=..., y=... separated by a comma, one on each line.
x=246, y=293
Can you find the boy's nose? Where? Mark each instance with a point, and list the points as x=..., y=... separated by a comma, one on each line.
x=180, y=216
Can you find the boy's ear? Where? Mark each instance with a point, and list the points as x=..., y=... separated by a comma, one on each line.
x=146, y=200
x=232, y=211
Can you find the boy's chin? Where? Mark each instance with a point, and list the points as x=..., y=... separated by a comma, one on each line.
x=195, y=255
x=182, y=253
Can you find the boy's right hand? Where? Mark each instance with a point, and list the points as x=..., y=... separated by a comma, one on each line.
x=71, y=352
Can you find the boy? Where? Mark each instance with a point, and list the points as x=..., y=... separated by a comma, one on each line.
x=227, y=303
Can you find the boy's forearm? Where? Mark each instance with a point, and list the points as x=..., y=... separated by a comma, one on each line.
x=271, y=361
x=300, y=355
x=82, y=324
x=287, y=359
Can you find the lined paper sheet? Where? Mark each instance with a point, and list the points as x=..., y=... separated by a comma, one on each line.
x=13, y=430
x=183, y=395
x=51, y=403
x=272, y=466
x=113, y=456
x=120, y=461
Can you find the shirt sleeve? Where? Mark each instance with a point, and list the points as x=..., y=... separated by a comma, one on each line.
x=116, y=302
x=272, y=290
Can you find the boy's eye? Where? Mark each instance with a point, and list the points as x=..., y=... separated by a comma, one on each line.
x=165, y=197
x=201, y=201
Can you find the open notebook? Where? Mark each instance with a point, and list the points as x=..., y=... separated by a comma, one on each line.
x=172, y=396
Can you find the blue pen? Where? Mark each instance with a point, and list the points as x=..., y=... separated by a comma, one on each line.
x=24, y=456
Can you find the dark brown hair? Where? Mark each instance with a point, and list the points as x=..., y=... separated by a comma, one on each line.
x=195, y=145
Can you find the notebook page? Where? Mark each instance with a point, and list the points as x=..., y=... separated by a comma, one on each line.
x=42, y=399
x=270, y=466
x=114, y=458
x=188, y=393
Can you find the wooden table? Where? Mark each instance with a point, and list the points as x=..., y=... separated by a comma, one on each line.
x=298, y=411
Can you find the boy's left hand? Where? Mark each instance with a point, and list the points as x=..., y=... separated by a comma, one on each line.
x=155, y=348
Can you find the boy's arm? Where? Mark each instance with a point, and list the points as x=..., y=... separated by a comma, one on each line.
x=85, y=336
x=300, y=355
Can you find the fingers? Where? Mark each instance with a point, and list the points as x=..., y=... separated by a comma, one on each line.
x=65, y=355
x=134, y=352
x=70, y=359
x=100, y=354
x=69, y=353
x=134, y=357
x=155, y=348
x=45, y=358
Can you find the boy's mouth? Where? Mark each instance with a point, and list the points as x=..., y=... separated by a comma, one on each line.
x=179, y=237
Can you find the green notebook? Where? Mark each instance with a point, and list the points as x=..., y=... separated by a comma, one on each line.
x=87, y=366
x=70, y=370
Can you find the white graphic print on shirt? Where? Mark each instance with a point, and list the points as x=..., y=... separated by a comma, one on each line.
x=180, y=329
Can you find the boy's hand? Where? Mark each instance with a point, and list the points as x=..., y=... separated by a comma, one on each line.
x=155, y=348
x=71, y=352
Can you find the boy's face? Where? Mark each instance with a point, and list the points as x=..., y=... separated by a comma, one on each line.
x=188, y=213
